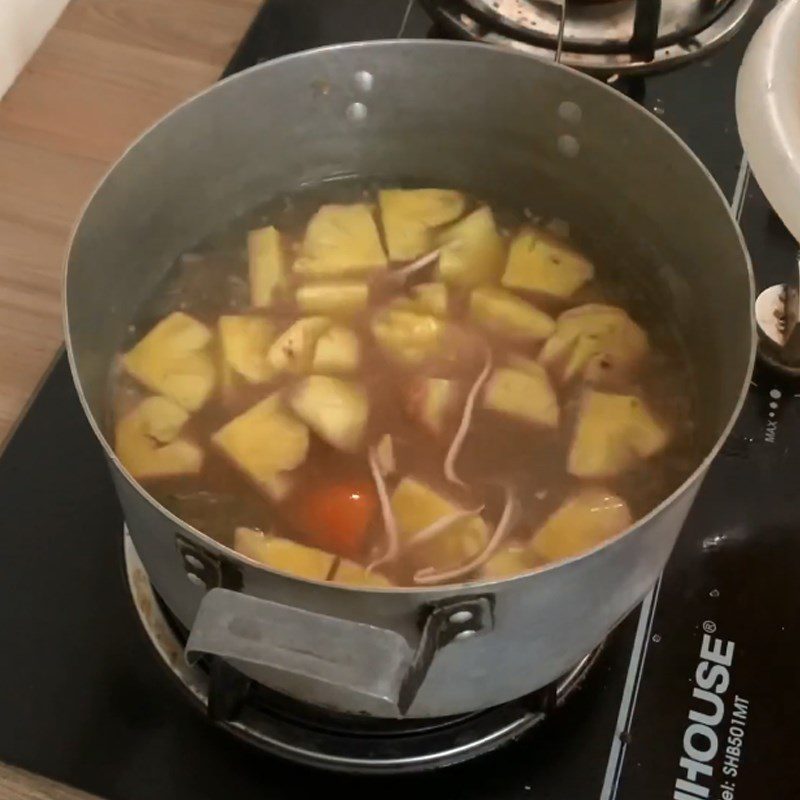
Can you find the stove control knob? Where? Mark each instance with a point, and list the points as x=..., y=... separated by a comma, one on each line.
x=777, y=313
x=778, y=331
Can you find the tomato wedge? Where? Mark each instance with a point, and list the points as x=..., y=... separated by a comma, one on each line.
x=335, y=516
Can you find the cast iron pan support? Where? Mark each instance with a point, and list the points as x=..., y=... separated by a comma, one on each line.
x=643, y=41
x=646, y=20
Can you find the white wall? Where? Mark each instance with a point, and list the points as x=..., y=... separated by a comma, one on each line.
x=23, y=25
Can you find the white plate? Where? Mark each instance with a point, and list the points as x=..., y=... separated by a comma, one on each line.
x=768, y=110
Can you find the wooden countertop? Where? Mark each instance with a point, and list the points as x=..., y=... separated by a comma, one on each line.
x=106, y=71
x=16, y=784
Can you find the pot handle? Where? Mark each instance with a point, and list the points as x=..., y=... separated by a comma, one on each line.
x=329, y=655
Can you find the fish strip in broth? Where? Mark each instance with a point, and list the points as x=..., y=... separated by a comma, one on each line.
x=466, y=421
x=429, y=575
x=389, y=521
x=401, y=274
x=441, y=525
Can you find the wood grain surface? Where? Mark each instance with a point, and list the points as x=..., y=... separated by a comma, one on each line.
x=15, y=784
x=106, y=71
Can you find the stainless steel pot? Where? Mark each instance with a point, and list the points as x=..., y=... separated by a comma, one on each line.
x=445, y=113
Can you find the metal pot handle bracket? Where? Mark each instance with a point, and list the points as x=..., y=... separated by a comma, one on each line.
x=356, y=658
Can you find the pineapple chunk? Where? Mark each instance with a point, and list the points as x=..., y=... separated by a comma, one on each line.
x=263, y=442
x=613, y=432
x=416, y=506
x=352, y=574
x=337, y=350
x=251, y=543
x=174, y=359
x=471, y=250
x=334, y=298
x=524, y=364
x=336, y=410
x=524, y=396
x=147, y=441
x=283, y=554
x=431, y=298
x=431, y=402
x=579, y=524
x=161, y=419
x=245, y=342
x=278, y=486
x=293, y=350
x=410, y=215
x=595, y=341
x=341, y=240
x=228, y=379
x=407, y=336
x=404, y=304
x=507, y=315
x=508, y=562
x=539, y=262
x=266, y=265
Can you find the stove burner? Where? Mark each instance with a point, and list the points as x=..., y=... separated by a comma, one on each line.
x=329, y=740
x=603, y=37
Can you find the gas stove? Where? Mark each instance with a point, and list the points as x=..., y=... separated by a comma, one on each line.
x=599, y=36
x=691, y=697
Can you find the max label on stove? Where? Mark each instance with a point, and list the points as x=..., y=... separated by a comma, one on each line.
x=702, y=739
x=772, y=423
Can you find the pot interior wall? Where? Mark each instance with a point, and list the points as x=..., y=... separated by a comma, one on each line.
x=498, y=123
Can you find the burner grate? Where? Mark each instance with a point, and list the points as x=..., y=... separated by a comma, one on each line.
x=602, y=37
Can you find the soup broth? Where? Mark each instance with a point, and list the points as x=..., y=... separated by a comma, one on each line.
x=401, y=387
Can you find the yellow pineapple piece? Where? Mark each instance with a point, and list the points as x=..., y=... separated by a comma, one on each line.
x=597, y=342
x=264, y=442
x=293, y=350
x=336, y=410
x=266, y=265
x=337, y=350
x=613, y=433
x=148, y=445
x=283, y=554
x=540, y=262
x=582, y=522
x=507, y=562
x=524, y=396
x=416, y=506
x=431, y=298
x=251, y=543
x=245, y=341
x=174, y=359
x=352, y=574
x=507, y=315
x=410, y=217
x=472, y=250
x=407, y=336
x=341, y=240
x=432, y=401
x=524, y=364
x=278, y=486
x=333, y=298
x=228, y=378
x=404, y=304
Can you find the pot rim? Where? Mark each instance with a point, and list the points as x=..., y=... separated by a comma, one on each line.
x=451, y=588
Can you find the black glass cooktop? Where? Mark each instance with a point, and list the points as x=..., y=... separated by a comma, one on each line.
x=695, y=695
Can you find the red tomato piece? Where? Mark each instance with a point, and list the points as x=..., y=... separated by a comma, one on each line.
x=335, y=516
